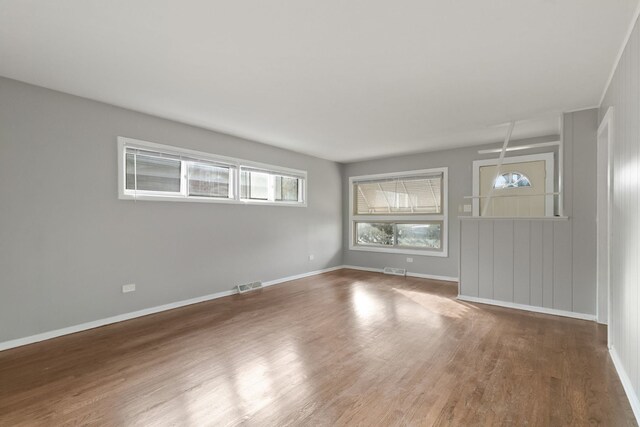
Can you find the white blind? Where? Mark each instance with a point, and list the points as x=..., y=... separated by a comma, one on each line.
x=152, y=173
x=208, y=180
x=419, y=194
x=161, y=172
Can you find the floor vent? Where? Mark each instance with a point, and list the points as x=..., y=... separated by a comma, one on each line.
x=249, y=287
x=395, y=271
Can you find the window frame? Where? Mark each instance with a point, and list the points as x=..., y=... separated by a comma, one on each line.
x=234, y=164
x=547, y=157
x=271, y=180
x=508, y=185
x=406, y=218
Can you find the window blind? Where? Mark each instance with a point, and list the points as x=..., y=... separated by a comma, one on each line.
x=420, y=194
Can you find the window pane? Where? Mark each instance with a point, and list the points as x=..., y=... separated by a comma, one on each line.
x=374, y=234
x=511, y=180
x=255, y=185
x=208, y=180
x=153, y=173
x=406, y=195
x=286, y=189
x=420, y=235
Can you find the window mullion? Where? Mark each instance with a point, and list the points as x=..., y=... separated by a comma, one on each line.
x=234, y=185
x=271, y=189
x=395, y=235
x=301, y=195
x=135, y=174
x=184, y=178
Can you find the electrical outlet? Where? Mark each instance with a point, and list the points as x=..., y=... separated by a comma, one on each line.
x=409, y=259
x=311, y=257
x=128, y=288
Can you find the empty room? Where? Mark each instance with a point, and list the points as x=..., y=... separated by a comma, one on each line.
x=329, y=213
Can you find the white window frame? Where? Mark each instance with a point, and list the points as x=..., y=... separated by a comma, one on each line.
x=442, y=217
x=548, y=159
x=235, y=164
x=271, y=197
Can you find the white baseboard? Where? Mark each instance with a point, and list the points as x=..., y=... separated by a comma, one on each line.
x=526, y=307
x=432, y=276
x=355, y=267
x=144, y=312
x=301, y=276
x=626, y=383
x=409, y=274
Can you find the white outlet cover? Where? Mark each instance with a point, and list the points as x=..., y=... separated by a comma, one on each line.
x=311, y=257
x=128, y=288
x=409, y=259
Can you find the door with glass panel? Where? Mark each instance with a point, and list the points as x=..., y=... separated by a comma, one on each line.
x=518, y=190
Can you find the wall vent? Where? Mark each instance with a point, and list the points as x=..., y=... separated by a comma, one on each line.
x=249, y=287
x=395, y=271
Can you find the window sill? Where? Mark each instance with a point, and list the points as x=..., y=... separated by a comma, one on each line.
x=525, y=218
x=440, y=254
x=195, y=199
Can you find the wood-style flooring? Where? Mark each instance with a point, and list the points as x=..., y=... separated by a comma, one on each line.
x=341, y=348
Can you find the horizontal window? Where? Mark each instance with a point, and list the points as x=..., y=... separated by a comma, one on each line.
x=422, y=235
x=372, y=233
x=404, y=212
x=156, y=173
x=159, y=172
x=208, y=180
x=257, y=184
x=421, y=194
x=147, y=171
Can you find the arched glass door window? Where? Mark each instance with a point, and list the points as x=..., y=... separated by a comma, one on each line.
x=511, y=180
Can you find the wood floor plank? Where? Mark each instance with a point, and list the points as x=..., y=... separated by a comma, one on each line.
x=341, y=348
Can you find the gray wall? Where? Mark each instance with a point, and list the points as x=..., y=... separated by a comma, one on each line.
x=68, y=244
x=543, y=263
x=623, y=95
x=459, y=161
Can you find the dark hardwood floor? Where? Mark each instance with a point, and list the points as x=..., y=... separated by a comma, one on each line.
x=342, y=348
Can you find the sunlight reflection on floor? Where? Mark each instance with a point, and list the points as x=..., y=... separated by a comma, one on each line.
x=442, y=306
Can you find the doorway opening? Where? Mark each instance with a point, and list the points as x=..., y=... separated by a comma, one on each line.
x=603, y=214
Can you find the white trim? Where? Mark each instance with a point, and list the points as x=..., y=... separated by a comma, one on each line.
x=561, y=168
x=626, y=383
x=549, y=167
x=526, y=307
x=380, y=249
x=525, y=218
x=409, y=274
x=356, y=267
x=605, y=125
x=636, y=13
x=432, y=277
x=18, y=342
x=301, y=276
x=520, y=147
x=235, y=164
x=441, y=217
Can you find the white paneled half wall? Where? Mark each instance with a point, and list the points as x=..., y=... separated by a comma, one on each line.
x=523, y=263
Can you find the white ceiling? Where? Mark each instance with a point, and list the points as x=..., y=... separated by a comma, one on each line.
x=342, y=80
